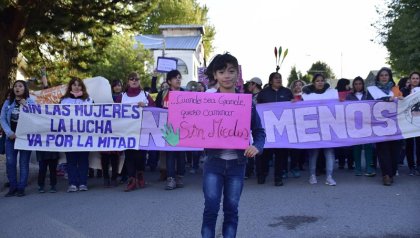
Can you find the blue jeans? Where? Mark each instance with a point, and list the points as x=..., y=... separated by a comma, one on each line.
x=175, y=158
x=219, y=176
x=329, y=160
x=77, y=167
x=11, y=162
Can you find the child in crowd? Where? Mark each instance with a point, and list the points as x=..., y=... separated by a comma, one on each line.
x=224, y=170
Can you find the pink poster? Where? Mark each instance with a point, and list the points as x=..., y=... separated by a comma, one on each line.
x=211, y=120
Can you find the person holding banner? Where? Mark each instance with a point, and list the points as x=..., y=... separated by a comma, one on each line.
x=343, y=153
x=9, y=119
x=47, y=159
x=274, y=93
x=173, y=158
x=320, y=90
x=388, y=151
x=135, y=160
x=414, y=142
x=224, y=169
x=297, y=156
x=77, y=162
x=359, y=93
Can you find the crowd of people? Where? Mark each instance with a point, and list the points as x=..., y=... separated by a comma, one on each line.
x=222, y=73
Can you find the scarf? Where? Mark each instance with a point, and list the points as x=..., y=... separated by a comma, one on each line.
x=77, y=95
x=386, y=88
x=132, y=92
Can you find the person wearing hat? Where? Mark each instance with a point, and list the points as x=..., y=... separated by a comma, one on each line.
x=254, y=86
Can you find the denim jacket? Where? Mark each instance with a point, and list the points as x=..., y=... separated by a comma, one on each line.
x=258, y=136
x=6, y=114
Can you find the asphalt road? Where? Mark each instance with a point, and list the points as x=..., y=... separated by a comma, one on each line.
x=356, y=207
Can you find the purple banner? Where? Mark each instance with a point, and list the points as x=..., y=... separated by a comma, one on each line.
x=153, y=121
x=328, y=123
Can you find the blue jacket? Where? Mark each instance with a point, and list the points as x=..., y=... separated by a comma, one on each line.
x=270, y=95
x=258, y=136
x=352, y=96
x=6, y=114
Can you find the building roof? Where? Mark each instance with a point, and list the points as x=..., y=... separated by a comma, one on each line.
x=199, y=27
x=370, y=79
x=155, y=42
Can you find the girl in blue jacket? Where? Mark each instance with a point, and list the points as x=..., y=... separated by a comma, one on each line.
x=9, y=121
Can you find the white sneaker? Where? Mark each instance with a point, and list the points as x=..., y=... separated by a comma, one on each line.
x=312, y=179
x=83, y=188
x=330, y=181
x=72, y=188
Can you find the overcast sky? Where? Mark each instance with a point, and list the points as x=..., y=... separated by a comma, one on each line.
x=337, y=32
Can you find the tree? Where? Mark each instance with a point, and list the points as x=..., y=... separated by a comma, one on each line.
x=120, y=58
x=68, y=30
x=399, y=32
x=295, y=75
x=322, y=68
x=181, y=12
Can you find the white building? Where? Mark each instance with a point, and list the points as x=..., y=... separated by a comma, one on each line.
x=183, y=42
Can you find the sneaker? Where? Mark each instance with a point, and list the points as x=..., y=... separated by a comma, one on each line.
x=358, y=173
x=12, y=192
x=53, y=189
x=83, y=188
x=312, y=179
x=295, y=173
x=370, y=174
x=72, y=188
x=179, y=182
x=20, y=193
x=170, y=183
x=412, y=172
x=278, y=182
x=41, y=189
x=330, y=181
x=193, y=171
x=397, y=173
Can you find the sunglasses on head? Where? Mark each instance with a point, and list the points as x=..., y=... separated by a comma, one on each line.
x=134, y=79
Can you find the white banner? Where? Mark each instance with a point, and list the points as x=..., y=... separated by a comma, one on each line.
x=79, y=127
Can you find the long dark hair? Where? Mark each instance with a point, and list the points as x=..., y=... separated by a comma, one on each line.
x=271, y=77
x=341, y=84
x=402, y=83
x=12, y=95
x=316, y=76
x=68, y=90
x=358, y=78
x=413, y=73
x=388, y=70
